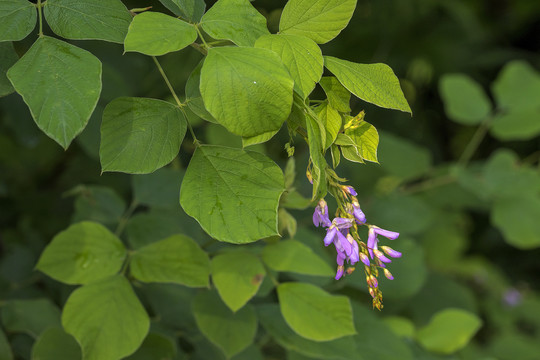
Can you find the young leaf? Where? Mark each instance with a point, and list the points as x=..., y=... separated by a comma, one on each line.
x=193, y=95
x=300, y=55
x=374, y=83
x=273, y=322
x=258, y=139
x=88, y=20
x=319, y=20
x=464, y=99
x=191, y=10
x=331, y=120
x=83, y=253
x=48, y=77
x=177, y=259
x=247, y=90
x=8, y=57
x=338, y=96
x=237, y=277
x=153, y=33
x=235, y=20
x=56, y=344
x=315, y=139
x=315, y=314
x=231, y=332
x=449, y=330
x=106, y=318
x=293, y=256
x=232, y=193
x=366, y=140
x=139, y=135
x=17, y=19
x=30, y=316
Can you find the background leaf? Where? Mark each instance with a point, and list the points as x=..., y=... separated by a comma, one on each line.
x=237, y=199
x=191, y=10
x=5, y=350
x=247, y=90
x=106, y=318
x=8, y=57
x=88, y=20
x=156, y=34
x=98, y=203
x=177, y=259
x=17, y=19
x=517, y=86
x=60, y=100
x=235, y=20
x=56, y=344
x=313, y=313
x=293, y=256
x=140, y=135
x=31, y=317
x=319, y=20
x=194, y=97
x=517, y=219
x=83, y=253
x=237, y=277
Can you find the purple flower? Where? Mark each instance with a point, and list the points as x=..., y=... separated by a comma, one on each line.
x=512, y=297
x=381, y=256
x=342, y=223
x=388, y=274
x=391, y=252
x=364, y=258
x=320, y=216
x=339, y=272
x=340, y=241
x=355, y=256
x=358, y=213
x=350, y=190
x=372, y=240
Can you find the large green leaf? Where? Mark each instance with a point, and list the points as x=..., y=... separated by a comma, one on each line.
x=89, y=19
x=374, y=83
x=517, y=87
x=17, y=19
x=449, y=330
x=464, y=99
x=5, y=349
x=56, y=344
x=191, y=10
x=316, y=140
x=83, y=253
x=231, y=332
x=48, y=77
x=232, y=193
x=140, y=135
x=332, y=121
x=30, y=316
x=300, y=55
x=237, y=277
x=247, y=90
x=193, y=94
x=293, y=256
x=273, y=322
x=177, y=259
x=517, y=218
x=319, y=20
x=106, y=318
x=338, y=96
x=235, y=20
x=8, y=57
x=315, y=314
x=153, y=33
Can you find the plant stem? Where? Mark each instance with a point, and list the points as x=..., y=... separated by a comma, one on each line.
x=39, y=6
x=124, y=219
x=475, y=141
x=429, y=184
x=202, y=37
x=178, y=102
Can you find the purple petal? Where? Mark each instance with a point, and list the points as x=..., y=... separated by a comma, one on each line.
x=359, y=215
x=316, y=217
x=350, y=190
x=344, y=243
x=342, y=223
x=381, y=256
x=339, y=272
x=372, y=241
x=364, y=258
x=391, y=252
x=354, y=258
x=388, y=274
x=340, y=259
x=387, y=233
x=330, y=235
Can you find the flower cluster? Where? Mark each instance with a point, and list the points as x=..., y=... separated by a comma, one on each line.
x=342, y=232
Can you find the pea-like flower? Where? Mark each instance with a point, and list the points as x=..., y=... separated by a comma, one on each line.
x=320, y=216
x=373, y=240
x=358, y=214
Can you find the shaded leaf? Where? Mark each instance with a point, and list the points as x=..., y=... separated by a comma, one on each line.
x=17, y=19
x=293, y=256
x=56, y=344
x=30, y=316
x=192, y=10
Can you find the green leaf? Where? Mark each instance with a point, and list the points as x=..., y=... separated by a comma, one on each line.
x=56, y=344
x=140, y=135
x=192, y=10
x=464, y=99
x=258, y=139
x=331, y=119
x=319, y=20
x=338, y=96
x=315, y=139
x=171, y=303
x=374, y=83
x=193, y=95
x=401, y=326
x=159, y=189
x=5, y=350
x=98, y=203
x=235, y=20
x=247, y=90
x=30, y=316
x=517, y=218
x=106, y=318
x=273, y=322
x=17, y=19
x=449, y=330
x=300, y=55
x=89, y=19
x=402, y=158
x=8, y=57
x=237, y=277
x=155, y=347
x=517, y=87
x=315, y=314
x=366, y=139
x=516, y=125
x=231, y=332
x=156, y=34
x=177, y=259
x=237, y=197
x=48, y=77
x=293, y=256
x=83, y=253
x=147, y=228
x=336, y=157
